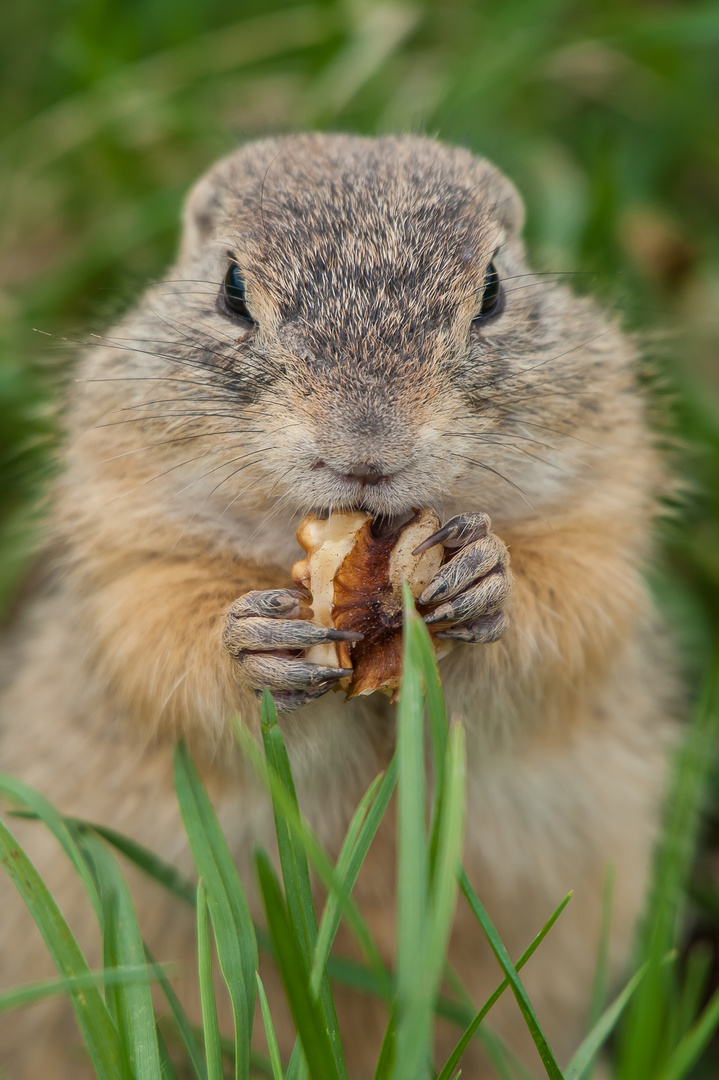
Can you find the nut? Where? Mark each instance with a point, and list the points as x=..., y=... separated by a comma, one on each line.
x=354, y=574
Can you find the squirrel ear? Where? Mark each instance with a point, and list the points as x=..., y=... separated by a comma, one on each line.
x=509, y=207
x=199, y=216
x=501, y=196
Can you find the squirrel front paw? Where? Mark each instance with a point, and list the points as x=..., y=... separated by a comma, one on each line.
x=264, y=636
x=473, y=586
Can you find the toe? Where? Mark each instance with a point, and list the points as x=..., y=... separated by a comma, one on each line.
x=257, y=634
x=269, y=603
x=491, y=593
x=465, y=567
x=281, y=673
x=485, y=629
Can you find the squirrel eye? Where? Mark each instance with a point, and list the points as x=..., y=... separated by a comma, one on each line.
x=233, y=291
x=492, y=296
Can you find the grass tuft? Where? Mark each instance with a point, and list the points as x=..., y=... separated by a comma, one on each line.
x=120, y=1031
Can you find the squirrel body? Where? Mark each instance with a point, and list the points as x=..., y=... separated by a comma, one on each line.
x=351, y=323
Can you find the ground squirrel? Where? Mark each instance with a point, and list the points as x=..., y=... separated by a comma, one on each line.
x=351, y=323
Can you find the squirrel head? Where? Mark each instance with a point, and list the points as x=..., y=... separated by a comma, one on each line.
x=366, y=332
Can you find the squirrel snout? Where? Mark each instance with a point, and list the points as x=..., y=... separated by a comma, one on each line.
x=365, y=473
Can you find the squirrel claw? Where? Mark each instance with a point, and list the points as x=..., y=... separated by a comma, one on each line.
x=458, y=532
x=473, y=586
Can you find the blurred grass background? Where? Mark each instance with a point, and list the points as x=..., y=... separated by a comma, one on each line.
x=604, y=112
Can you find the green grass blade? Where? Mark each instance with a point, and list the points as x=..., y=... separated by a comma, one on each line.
x=182, y=1023
x=697, y=967
x=156, y=868
x=413, y=1051
x=231, y=922
x=29, y=993
x=167, y=1069
x=98, y=1031
x=321, y=862
x=296, y=871
x=687, y=1053
x=297, y=1068
x=293, y=859
x=601, y=967
x=332, y=912
x=443, y=895
x=110, y=960
x=497, y=946
x=435, y=878
x=295, y=976
x=462, y=1044
x=423, y=651
x=644, y=1044
x=388, y=1050
x=210, y=1026
x=602, y=1029
x=436, y=710
x=360, y=977
x=60, y=827
x=133, y=1001
x=358, y=839
x=272, y=1046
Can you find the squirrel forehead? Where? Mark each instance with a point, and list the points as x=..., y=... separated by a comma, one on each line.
x=311, y=208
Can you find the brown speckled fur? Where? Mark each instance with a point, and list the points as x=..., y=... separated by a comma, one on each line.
x=188, y=465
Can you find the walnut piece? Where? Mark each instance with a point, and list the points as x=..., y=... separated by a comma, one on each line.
x=355, y=578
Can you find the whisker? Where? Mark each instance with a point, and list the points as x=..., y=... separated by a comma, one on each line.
x=274, y=510
x=240, y=457
x=247, y=465
x=555, y=431
x=222, y=465
x=177, y=465
x=242, y=491
x=147, y=378
x=480, y=435
x=488, y=468
x=170, y=442
x=191, y=417
x=527, y=453
x=194, y=399
x=557, y=356
x=252, y=377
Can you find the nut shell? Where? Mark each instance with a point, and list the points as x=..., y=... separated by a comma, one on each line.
x=355, y=577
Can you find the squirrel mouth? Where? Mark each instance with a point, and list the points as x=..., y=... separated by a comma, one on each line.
x=382, y=524
x=364, y=487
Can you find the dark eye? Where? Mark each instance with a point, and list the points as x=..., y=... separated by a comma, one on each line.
x=491, y=303
x=233, y=291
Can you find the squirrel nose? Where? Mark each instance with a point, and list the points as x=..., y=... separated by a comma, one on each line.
x=366, y=473
x=370, y=473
